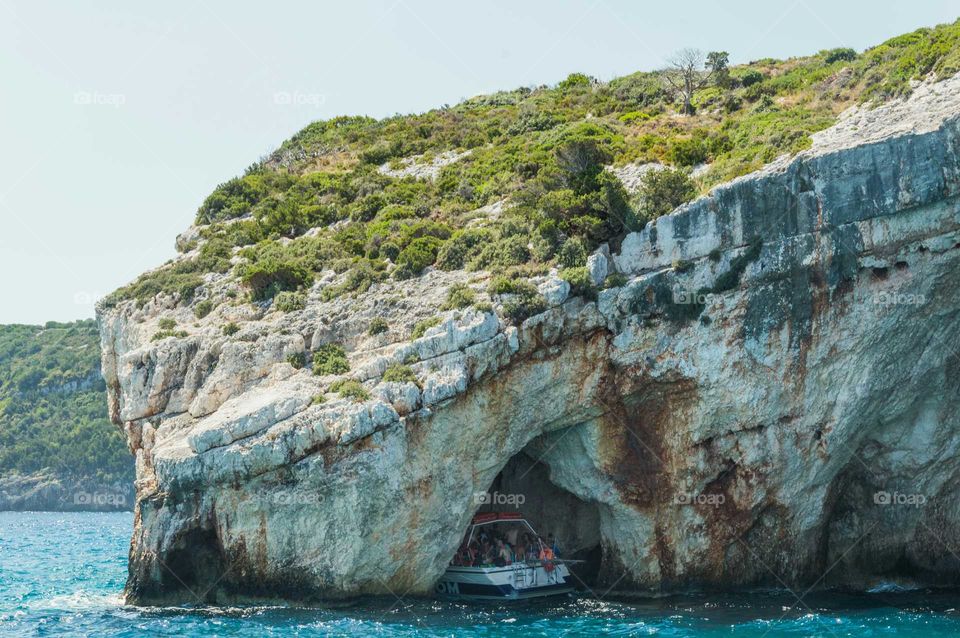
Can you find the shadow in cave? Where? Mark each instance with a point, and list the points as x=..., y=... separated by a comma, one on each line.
x=524, y=486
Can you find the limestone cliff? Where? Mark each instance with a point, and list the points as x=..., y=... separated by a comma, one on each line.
x=770, y=399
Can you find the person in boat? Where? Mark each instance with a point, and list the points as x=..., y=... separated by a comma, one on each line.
x=489, y=554
x=520, y=549
x=532, y=553
x=546, y=556
x=552, y=543
x=502, y=556
x=467, y=558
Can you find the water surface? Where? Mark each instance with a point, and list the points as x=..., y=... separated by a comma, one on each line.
x=62, y=575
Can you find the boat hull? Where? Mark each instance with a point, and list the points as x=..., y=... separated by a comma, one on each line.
x=519, y=582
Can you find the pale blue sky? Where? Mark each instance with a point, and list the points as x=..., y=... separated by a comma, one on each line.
x=118, y=117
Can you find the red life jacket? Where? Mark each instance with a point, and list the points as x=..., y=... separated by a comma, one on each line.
x=546, y=556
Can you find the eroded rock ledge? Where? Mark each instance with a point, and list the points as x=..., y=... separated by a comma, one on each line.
x=783, y=355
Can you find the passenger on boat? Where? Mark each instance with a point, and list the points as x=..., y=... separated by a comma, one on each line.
x=531, y=551
x=546, y=556
x=504, y=555
x=520, y=550
x=552, y=543
x=489, y=554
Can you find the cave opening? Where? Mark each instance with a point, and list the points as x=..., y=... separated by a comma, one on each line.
x=195, y=564
x=523, y=486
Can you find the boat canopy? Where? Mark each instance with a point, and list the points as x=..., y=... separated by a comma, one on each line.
x=493, y=517
x=511, y=519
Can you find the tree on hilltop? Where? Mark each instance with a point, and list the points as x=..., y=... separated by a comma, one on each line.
x=690, y=70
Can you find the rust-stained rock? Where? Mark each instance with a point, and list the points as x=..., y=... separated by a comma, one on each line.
x=785, y=414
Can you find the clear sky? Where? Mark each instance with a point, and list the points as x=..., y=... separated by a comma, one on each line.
x=118, y=117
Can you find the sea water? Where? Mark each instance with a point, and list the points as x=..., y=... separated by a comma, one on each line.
x=63, y=574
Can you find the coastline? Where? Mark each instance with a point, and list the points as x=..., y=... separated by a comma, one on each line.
x=48, y=491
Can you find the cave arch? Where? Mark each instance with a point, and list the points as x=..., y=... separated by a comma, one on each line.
x=524, y=485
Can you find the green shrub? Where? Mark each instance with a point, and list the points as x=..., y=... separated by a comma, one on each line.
x=350, y=389
x=525, y=301
x=575, y=80
x=389, y=250
x=330, y=359
x=400, y=373
x=418, y=254
x=393, y=212
x=483, y=306
x=233, y=198
x=531, y=120
x=271, y=275
x=182, y=278
x=203, y=308
x=458, y=297
x=359, y=279
x=298, y=360
x=580, y=284
x=615, y=280
x=167, y=323
x=573, y=253
x=318, y=399
x=634, y=117
x=289, y=301
x=715, y=254
x=749, y=77
x=501, y=285
x=163, y=334
x=378, y=325
x=663, y=190
x=836, y=55
x=687, y=152
x=523, y=306
x=421, y=327
x=462, y=246
x=502, y=253
x=231, y=329
x=366, y=208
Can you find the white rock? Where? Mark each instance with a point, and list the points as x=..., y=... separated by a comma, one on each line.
x=554, y=290
x=597, y=266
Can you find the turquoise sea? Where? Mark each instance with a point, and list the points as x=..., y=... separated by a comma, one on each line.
x=62, y=575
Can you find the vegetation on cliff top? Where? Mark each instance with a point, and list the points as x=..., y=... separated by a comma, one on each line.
x=541, y=150
x=53, y=402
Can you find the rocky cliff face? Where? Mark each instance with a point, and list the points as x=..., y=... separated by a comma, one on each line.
x=769, y=400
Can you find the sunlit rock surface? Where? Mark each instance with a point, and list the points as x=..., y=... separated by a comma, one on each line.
x=770, y=400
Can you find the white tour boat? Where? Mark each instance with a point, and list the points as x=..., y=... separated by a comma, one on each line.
x=469, y=576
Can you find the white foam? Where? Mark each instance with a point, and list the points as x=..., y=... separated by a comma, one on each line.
x=78, y=601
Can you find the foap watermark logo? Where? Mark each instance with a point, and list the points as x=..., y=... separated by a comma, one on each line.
x=884, y=498
x=697, y=498
x=884, y=298
x=86, y=298
x=288, y=497
x=100, y=499
x=691, y=297
x=498, y=498
x=299, y=98
x=97, y=98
